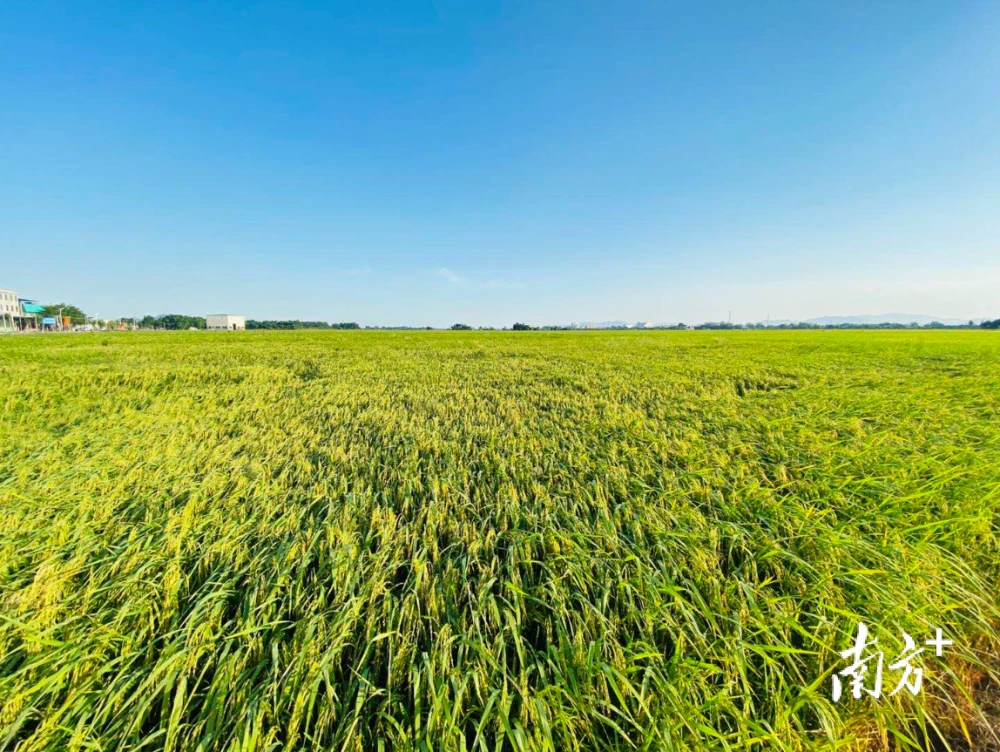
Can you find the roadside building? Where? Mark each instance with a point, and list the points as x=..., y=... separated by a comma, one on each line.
x=29, y=314
x=225, y=322
x=17, y=314
x=10, y=307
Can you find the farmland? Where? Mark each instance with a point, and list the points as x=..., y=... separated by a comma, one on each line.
x=495, y=540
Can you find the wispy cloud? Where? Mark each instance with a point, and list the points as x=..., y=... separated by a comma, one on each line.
x=449, y=275
x=459, y=281
x=359, y=271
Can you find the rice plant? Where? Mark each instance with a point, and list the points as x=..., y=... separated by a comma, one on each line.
x=495, y=541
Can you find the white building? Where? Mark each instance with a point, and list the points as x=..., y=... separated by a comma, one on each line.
x=10, y=307
x=225, y=321
x=17, y=314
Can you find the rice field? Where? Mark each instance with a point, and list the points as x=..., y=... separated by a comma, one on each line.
x=495, y=540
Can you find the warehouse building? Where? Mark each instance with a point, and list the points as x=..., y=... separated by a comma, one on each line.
x=225, y=322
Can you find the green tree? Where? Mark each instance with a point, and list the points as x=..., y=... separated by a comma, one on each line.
x=76, y=316
x=180, y=321
x=297, y=324
x=461, y=327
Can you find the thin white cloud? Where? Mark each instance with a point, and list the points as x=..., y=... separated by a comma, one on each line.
x=449, y=275
x=459, y=280
x=359, y=271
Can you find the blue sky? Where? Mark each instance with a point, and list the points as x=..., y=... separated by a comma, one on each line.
x=426, y=163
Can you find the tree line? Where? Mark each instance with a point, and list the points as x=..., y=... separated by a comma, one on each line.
x=296, y=324
x=182, y=321
x=172, y=321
